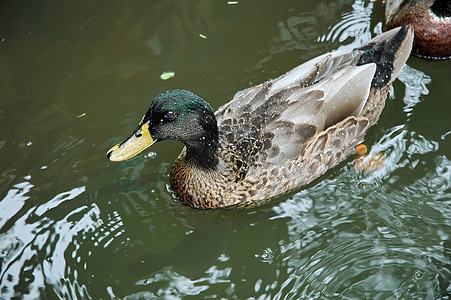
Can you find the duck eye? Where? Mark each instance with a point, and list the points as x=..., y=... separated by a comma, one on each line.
x=170, y=115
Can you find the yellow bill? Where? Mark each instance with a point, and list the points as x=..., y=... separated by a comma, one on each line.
x=139, y=141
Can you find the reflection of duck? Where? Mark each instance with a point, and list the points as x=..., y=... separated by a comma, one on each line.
x=276, y=136
x=431, y=20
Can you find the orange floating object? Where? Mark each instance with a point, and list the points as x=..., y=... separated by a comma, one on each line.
x=361, y=150
x=368, y=163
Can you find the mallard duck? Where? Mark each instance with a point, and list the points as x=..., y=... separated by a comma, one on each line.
x=431, y=20
x=277, y=136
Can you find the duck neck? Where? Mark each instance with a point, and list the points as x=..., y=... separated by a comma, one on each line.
x=204, y=157
x=203, y=150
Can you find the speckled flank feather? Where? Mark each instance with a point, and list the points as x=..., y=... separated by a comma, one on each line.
x=284, y=133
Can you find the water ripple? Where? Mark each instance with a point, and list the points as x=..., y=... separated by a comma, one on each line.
x=34, y=248
x=416, y=87
x=353, y=28
x=387, y=239
x=14, y=200
x=170, y=284
x=369, y=256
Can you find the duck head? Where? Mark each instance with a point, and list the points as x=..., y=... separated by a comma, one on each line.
x=173, y=115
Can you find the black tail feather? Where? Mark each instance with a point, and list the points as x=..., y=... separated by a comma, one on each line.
x=382, y=53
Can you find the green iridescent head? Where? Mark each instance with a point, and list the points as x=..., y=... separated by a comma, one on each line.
x=173, y=115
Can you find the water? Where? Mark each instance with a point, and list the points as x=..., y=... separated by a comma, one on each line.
x=76, y=77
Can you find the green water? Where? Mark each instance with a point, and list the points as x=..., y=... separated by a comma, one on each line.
x=77, y=76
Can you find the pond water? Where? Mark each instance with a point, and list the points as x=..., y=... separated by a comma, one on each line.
x=77, y=76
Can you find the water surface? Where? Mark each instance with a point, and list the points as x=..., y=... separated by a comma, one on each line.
x=76, y=77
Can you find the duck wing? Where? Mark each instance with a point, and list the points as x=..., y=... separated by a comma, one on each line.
x=286, y=112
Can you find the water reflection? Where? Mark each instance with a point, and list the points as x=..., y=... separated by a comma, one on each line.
x=416, y=87
x=371, y=238
x=14, y=200
x=186, y=269
x=35, y=245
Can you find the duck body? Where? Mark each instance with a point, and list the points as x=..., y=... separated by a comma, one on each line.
x=431, y=20
x=275, y=137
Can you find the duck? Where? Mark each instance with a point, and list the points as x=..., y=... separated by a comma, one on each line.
x=431, y=20
x=275, y=137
